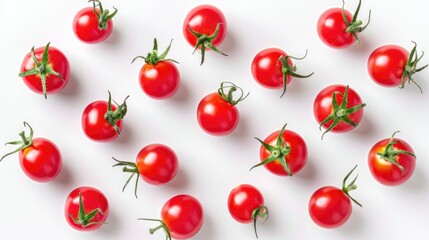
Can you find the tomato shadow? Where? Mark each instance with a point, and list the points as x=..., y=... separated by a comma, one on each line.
x=72, y=88
x=65, y=179
x=182, y=94
x=180, y=181
x=417, y=183
x=365, y=129
x=112, y=225
x=207, y=231
x=114, y=38
x=228, y=45
x=364, y=48
x=242, y=129
x=355, y=225
x=308, y=173
x=126, y=136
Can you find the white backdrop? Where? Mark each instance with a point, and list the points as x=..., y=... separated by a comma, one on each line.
x=211, y=166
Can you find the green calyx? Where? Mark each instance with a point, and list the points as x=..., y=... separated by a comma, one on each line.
x=351, y=186
x=288, y=69
x=129, y=167
x=231, y=87
x=162, y=225
x=277, y=152
x=84, y=219
x=42, y=68
x=204, y=41
x=355, y=26
x=259, y=212
x=411, y=67
x=25, y=142
x=340, y=112
x=113, y=116
x=152, y=57
x=104, y=15
x=390, y=153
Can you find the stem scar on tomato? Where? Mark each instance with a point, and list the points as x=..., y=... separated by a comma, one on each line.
x=261, y=212
x=129, y=167
x=104, y=14
x=390, y=153
x=152, y=57
x=84, y=219
x=354, y=26
x=25, y=142
x=411, y=67
x=205, y=41
x=113, y=116
x=351, y=186
x=228, y=97
x=162, y=225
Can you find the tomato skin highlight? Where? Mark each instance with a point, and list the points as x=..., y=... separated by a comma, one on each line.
x=92, y=199
x=159, y=81
x=57, y=60
x=85, y=26
x=41, y=161
x=386, y=172
x=331, y=29
x=95, y=126
x=329, y=207
x=267, y=69
x=242, y=201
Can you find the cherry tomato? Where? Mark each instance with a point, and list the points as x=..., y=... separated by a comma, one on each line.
x=283, y=153
x=217, y=114
x=338, y=28
x=273, y=68
x=246, y=204
x=86, y=209
x=156, y=164
x=205, y=28
x=93, y=24
x=40, y=159
x=159, y=77
x=338, y=109
x=330, y=207
x=45, y=70
x=102, y=121
x=391, y=161
x=392, y=65
x=181, y=217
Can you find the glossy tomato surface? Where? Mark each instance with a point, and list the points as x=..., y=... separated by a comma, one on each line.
x=161, y=80
x=95, y=126
x=85, y=26
x=242, y=201
x=331, y=28
x=267, y=68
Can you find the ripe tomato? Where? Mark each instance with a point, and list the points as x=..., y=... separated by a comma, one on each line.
x=392, y=65
x=86, y=209
x=45, y=70
x=273, y=68
x=391, y=161
x=283, y=153
x=330, y=207
x=93, y=24
x=338, y=109
x=205, y=28
x=159, y=77
x=181, y=217
x=102, y=121
x=246, y=204
x=216, y=113
x=338, y=28
x=156, y=164
x=40, y=159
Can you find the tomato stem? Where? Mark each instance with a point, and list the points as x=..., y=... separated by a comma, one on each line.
x=228, y=97
x=113, y=116
x=411, y=67
x=162, y=225
x=204, y=41
x=104, y=14
x=128, y=167
x=354, y=26
x=25, y=141
x=152, y=57
x=351, y=186
x=261, y=212
x=84, y=219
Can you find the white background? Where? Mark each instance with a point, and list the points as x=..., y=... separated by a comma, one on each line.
x=211, y=166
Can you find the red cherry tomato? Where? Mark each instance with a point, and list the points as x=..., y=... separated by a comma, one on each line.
x=338, y=28
x=338, y=109
x=86, y=209
x=273, y=68
x=283, y=153
x=392, y=66
x=102, y=121
x=391, y=161
x=40, y=159
x=181, y=217
x=45, y=70
x=330, y=207
x=217, y=114
x=246, y=204
x=205, y=28
x=93, y=24
x=156, y=164
x=159, y=77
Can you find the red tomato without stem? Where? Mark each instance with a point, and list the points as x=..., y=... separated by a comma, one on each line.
x=246, y=204
x=86, y=209
x=392, y=65
x=391, y=161
x=159, y=77
x=273, y=68
x=181, y=217
x=338, y=109
x=217, y=114
x=40, y=159
x=93, y=24
x=339, y=32
x=156, y=164
x=283, y=153
x=330, y=207
x=45, y=70
x=205, y=28
x=102, y=121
